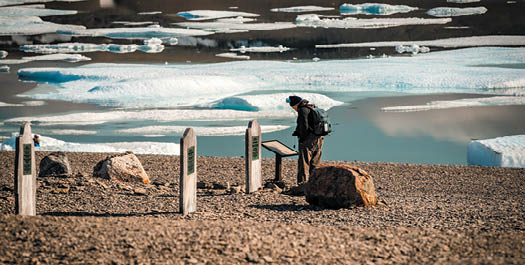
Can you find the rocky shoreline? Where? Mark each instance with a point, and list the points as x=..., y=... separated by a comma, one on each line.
x=433, y=214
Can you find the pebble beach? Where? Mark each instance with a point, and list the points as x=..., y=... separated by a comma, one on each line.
x=429, y=214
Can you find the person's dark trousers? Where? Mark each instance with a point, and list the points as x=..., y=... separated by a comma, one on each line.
x=310, y=151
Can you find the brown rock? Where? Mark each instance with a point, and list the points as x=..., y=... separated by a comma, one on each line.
x=340, y=186
x=126, y=167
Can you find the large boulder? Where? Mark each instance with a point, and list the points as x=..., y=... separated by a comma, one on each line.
x=340, y=186
x=123, y=167
x=54, y=164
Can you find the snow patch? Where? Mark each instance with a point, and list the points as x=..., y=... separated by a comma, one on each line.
x=507, y=151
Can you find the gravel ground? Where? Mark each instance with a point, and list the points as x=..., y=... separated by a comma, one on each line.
x=433, y=214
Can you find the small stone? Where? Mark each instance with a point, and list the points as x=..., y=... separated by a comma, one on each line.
x=140, y=191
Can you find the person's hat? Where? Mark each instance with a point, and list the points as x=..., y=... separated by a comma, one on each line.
x=293, y=100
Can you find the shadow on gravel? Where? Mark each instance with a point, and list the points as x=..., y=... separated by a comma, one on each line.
x=80, y=214
x=286, y=207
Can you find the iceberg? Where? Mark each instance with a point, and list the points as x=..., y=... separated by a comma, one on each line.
x=3, y=54
x=31, y=25
x=312, y=20
x=243, y=49
x=414, y=49
x=374, y=9
x=71, y=58
x=299, y=9
x=467, y=102
x=33, y=10
x=52, y=144
x=140, y=33
x=507, y=151
x=89, y=47
x=474, y=41
x=213, y=14
x=4, y=69
x=456, y=11
x=150, y=13
x=233, y=55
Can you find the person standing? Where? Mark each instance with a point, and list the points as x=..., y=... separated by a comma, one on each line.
x=310, y=144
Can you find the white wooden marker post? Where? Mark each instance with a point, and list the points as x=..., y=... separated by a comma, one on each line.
x=188, y=172
x=253, y=157
x=25, y=173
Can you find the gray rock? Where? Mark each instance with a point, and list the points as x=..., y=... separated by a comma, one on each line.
x=123, y=167
x=55, y=164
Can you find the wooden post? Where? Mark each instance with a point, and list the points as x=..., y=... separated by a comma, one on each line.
x=278, y=168
x=25, y=173
x=253, y=157
x=188, y=172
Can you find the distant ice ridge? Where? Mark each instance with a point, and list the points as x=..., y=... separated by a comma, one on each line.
x=149, y=47
x=467, y=102
x=140, y=33
x=243, y=49
x=414, y=49
x=71, y=58
x=474, y=41
x=52, y=144
x=32, y=10
x=374, y=9
x=312, y=20
x=31, y=25
x=200, y=131
x=212, y=14
x=456, y=11
x=507, y=151
x=299, y=9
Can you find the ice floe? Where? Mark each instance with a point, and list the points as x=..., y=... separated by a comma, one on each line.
x=52, y=144
x=199, y=130
x=463, y=1
x=473, y=70
x=31, y=25
x=474, y=41
x=213, y=14
x=138, y=23
x=136, y=33
x=506, y=151
x=151, y=47
x=4, y=69
x=243, y=49
x=150, y=13
x=414, y=49
x=312, y=20
x=459, y=103
x=3, y=54
x=33, y=10
x=71, y=58
x=456, y=11
x=233, y=55
x=299, y=9
x=374, y=9
x=21, y=2
x=233, y=27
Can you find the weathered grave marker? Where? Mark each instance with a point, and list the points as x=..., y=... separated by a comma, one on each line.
x=188, y=172
x=253, y=157
x=25, y=173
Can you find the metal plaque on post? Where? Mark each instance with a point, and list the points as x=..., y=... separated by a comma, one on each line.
x=280, y=150
x=25, y=173
x=188, y=172
x=253, y=157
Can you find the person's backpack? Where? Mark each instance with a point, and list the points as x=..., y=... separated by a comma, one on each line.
x=321, y=124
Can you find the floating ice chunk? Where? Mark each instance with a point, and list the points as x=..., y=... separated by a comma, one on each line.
x=243, y=49
x=374, y=9
x=173, y=41
x=21, y=2
x=136, y=33
x=149, y=13
x=72, y=58
x=4, y=69
x=230, y=27
x=507, y=151
x=299, y=9
x=3, y=104
x=463, y=1
x=414, y=49
x=312, y=20
x=460, y=27
x=139, y=23
x=32, y=103
x=456, y=11
x=52, y=144
x=3, y=54
x=238, y=20
x=153, y=41
x=31, y=26
x=89, y=47
x=33, y=10
x=233, y=56
x=459, y=103
x=474, y=41
x=213, y=14
x=151, y=48
x=200, y=131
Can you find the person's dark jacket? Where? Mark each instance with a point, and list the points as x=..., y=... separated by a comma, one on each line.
x=303, y=129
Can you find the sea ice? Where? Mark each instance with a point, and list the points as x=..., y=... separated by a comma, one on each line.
x=130, y=23
x=136, y=33
x=3, y=54
x=312, y=20
x=233, y=27
x=4, y=69
x=149, y=13
x=507, y=151
x=467, y=102
x=474, y=41
x=32, y=103
x=71, y=58
x=21, y=2
x=243, y=49
x=233, y=56
x=213, y=14
x=33, y=10
x=299, y=9
x=374, y=9
x=463, y=1
x=31, y=25
x=238, y=20
x=199, y=130
x=456, y=11
x=414, y=49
